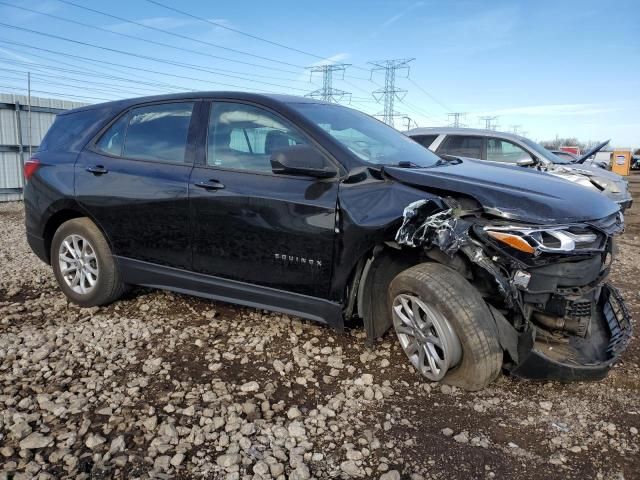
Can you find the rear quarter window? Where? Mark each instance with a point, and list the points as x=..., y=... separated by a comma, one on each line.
x=71, y=131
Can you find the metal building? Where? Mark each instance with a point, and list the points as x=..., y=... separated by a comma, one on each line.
x=17, y=134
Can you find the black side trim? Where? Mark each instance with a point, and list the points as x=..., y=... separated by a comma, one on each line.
x=147, y=274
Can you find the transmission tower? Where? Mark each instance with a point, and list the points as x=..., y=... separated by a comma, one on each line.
x=487, y=122
x=389, y=93
x=327, y=92
x=515, y=128
x=456, y=118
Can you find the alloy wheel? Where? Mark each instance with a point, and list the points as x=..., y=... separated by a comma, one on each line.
x=426, y=336
x=78, y=264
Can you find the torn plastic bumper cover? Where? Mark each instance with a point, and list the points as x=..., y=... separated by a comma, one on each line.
x=571, y=351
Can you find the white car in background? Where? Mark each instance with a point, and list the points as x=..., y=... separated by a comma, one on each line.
x=502, y=147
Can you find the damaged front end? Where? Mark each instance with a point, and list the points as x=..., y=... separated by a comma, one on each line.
x=545, y=285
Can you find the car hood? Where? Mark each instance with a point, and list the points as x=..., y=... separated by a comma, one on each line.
x=512, y=192
x=593, y=151
x=589, y=171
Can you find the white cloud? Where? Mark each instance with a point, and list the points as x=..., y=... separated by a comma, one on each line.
x=401, y=14
x=337, y=58
x=15, y=55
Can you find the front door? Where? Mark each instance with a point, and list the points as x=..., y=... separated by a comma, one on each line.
x=252, y=225
x=134, y=182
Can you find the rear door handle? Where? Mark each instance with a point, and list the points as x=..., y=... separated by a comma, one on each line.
x=97, y=169
x=210, y=185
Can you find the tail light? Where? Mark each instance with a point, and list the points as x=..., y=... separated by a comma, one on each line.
x=30, y=167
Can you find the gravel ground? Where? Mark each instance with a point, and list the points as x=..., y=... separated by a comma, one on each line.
x=168, y=386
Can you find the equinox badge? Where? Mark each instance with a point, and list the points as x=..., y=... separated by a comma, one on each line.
x=289, y=259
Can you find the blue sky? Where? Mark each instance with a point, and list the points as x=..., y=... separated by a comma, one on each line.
x=568, y=68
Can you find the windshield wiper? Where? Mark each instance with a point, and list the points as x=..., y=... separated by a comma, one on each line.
x=407, y=164
x=446, y=159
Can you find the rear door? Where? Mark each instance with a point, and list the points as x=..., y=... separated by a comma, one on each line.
x=134, y=181
x=250, y=224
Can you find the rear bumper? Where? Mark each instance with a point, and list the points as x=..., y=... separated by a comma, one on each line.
x=38, y=246
x=545, y=360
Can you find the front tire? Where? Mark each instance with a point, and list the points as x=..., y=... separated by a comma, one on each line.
x=83, y=264
x=445, y=327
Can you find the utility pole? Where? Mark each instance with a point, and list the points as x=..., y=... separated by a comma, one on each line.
x=515, y=128
x=29, y=118
x=389, y=93
x=456, y=118
x=327, y=92
x=487, y=122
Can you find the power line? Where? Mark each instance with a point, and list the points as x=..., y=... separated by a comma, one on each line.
x=178, y=35
x=173, y=75
x=429, y=95
x=250, y=35
x=327, y=92
x=419, y=111
x=153, y=42
x=389, y=93
x=145, y=57
x=46, y=78
x=88, y=72
x=85, y=70
x=220, y=25
x=58, y=94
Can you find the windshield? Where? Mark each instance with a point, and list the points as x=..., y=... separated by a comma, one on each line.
x=369, y=139
x=544, y=153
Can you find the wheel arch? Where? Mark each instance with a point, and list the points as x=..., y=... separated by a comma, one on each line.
x=377, y=268
x=68, y=212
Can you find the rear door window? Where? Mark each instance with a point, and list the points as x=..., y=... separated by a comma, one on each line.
x=158, y=132
x=462, y=146
x=112, y=140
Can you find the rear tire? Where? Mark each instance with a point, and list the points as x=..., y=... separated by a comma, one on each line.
x=83, y=264
x=460, y=331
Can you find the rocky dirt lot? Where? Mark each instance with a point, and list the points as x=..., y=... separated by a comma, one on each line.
x=160, y=385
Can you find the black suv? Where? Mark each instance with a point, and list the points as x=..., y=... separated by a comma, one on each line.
x=321, y=211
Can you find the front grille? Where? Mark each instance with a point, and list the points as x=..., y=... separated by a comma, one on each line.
x=579, y=309
x=618, y=319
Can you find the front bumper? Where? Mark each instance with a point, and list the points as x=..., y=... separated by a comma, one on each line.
x=578, y=359
x=624, y=204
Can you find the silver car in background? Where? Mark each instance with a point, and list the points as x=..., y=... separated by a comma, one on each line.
x=502, y=147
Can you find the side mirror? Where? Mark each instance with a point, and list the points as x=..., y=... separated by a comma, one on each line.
x=301, y=160
x=525, y=162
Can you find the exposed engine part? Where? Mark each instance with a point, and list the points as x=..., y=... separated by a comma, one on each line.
x=574, y=325
x=427, y=224
x=521, y=279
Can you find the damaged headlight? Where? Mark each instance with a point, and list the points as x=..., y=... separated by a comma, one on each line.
x=556, y=239
x=602, y=184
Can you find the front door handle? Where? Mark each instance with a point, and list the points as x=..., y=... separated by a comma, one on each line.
x=210, y=185
x=97, y=170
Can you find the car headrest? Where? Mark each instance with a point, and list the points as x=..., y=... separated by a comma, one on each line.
x=275, y=140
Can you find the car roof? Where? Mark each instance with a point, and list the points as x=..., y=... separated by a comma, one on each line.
x=462, y=131
x=265, y=98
